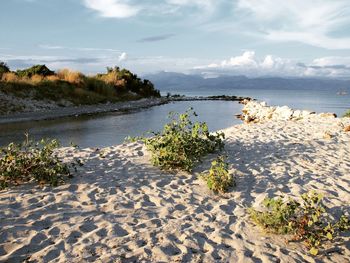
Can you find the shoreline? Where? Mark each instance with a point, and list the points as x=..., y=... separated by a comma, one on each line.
x=86, y=110
x=119, y=208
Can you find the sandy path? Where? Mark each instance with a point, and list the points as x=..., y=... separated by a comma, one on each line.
x=119, y=208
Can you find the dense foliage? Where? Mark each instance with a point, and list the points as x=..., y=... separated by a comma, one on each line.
x=182, y=143
x=219, y=179
x=39, y=82
x=41, y=70
x=347, y=114
x=31, y=161
x=306, y=221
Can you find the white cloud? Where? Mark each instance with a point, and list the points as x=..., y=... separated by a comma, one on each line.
x=312, y=22
x=249, y=65
x=123, y=56
x=246, y=60
x=112, y=8
x=82, y=49
x=331, y=61
x=129, y=8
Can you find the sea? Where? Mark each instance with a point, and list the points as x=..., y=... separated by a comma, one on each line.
x=109, y=129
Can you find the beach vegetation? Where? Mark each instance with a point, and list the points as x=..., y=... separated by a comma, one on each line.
x=41, y=83
x=41, y=70
x=182, y=143
x=219, y=178
x=307, y=221
x=31, y=161
x=347, y=114
x=3, y=68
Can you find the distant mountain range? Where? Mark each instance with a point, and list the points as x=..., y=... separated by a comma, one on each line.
x=177, y=82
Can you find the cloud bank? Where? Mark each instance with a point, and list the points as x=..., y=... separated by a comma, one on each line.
x=249, y=64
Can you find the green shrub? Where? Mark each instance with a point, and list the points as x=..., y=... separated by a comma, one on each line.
x=306, y=221
x=30, y=161
x=347, y=114
x=219, y=179
x=182, y=143
x=41, y=70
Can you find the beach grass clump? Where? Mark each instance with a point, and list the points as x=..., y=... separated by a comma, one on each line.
x=347, y=114
x=182, y=143
x=31, y=161
x=219, y=178
x=307, y=221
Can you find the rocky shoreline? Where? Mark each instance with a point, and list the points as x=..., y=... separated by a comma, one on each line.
x=255, y=111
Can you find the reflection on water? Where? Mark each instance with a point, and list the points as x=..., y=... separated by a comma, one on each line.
x=111, y=129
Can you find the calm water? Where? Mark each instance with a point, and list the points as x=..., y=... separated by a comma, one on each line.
x=111, y=129
x=317, y=100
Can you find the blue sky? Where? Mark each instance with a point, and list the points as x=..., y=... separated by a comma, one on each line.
x=211, y=37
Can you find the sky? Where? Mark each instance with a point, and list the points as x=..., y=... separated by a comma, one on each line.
x=294, y=38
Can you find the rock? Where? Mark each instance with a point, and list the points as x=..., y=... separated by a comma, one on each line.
x=328, y=115
x=347, y=129
x=259, y=112
x=284, y=113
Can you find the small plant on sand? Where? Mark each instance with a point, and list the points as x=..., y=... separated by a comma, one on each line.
x=31, y=161
x=306, y=221
x=219, y=178
x=182, y=143
x=347, y=114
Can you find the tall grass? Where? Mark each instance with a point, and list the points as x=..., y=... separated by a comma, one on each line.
x=70, y=76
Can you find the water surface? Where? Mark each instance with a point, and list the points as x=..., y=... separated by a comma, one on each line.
x=111, y=129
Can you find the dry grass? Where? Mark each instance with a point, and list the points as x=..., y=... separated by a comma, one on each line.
x=10, y=77
x=74, y=77
x=110, y=78
x=36, y=79
x=52, y=78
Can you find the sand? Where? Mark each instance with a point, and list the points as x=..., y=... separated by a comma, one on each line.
x=118, y=208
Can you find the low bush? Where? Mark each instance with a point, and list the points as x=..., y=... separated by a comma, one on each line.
x=306, y=221
x=31, y=161
x=182, y=143
x=41, y=70
x=347, y=114
x=219, y=179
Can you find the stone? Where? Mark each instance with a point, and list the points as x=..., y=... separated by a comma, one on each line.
x=328, y=115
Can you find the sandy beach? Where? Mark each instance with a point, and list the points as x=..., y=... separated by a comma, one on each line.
x=119, y=208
